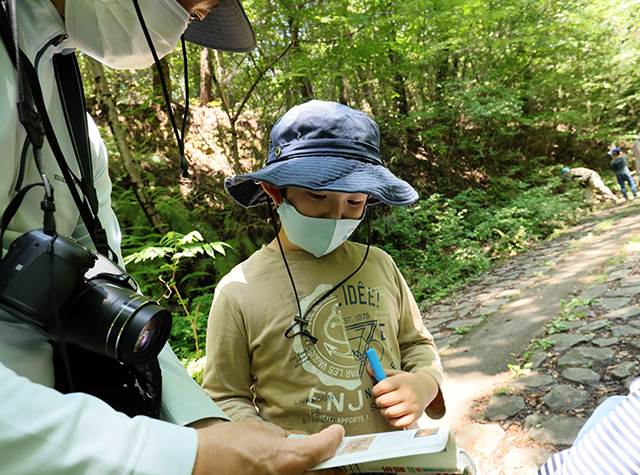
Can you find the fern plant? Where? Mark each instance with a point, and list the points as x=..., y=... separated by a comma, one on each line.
x=173, y=249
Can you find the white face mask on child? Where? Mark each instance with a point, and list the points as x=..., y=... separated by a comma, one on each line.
x=109, y=30
x=318, y=236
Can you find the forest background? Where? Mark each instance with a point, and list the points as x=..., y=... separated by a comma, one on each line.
x=480, y=105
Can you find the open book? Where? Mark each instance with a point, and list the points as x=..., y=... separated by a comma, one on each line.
x=431, y=451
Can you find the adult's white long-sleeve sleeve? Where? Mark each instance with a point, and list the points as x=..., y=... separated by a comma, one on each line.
x=183, y=400
x=44, y=431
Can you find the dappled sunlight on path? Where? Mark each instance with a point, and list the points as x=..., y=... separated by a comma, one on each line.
x=480, y=333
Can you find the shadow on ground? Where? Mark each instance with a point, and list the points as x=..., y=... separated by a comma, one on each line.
x=576, y=354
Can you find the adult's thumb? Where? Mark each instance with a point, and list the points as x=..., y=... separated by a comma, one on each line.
x=323, y=445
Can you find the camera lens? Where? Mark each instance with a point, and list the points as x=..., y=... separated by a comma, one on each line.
x=114, y=321
x=146, y=336
x=140, y=331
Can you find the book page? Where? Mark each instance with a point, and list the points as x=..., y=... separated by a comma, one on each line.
x=392, y=445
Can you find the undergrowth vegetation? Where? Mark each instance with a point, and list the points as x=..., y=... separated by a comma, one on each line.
x=440, y=243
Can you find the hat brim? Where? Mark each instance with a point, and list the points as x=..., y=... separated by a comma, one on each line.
x=329, y=174
x=226, y=28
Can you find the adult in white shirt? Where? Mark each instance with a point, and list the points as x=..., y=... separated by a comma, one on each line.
x=41, y=429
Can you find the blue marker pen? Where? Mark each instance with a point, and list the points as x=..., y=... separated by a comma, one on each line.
x=374, y=361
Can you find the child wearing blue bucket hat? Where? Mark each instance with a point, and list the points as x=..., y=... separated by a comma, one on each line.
x=289, y=327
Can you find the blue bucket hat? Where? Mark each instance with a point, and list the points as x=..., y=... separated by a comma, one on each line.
x=324, y=146
x=614, y=151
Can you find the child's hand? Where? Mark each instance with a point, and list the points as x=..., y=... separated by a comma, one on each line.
x=403, y=397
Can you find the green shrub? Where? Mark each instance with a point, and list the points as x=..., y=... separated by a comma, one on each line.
x=441, y=243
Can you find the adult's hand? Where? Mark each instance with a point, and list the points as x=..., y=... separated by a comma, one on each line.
x=249, y=448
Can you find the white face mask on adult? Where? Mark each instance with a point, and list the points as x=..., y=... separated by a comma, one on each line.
x=109, y=30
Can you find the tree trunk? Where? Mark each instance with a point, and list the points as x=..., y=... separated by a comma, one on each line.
x=304, y=86
x=233, y=119
x=234, y=148
x=401, y=101
x=342, y=90
x=158, y=95
x=365, y=79
x=106, y=103
x=206, y=84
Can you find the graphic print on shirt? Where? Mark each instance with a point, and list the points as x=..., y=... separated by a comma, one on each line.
x=347, y=323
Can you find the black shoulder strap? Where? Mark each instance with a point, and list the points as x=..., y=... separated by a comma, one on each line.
x=73, y=105
x=71, y=94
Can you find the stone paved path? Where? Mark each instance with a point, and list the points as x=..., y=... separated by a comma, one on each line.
x=575, y=355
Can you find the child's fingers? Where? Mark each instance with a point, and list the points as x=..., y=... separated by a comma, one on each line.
x=389, y=398
x=387, y=385
x=402, y=422
x=399, y=409
x=399, y=416
x=370, y=370
x=388, y=372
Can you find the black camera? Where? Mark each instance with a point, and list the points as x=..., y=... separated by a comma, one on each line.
x=96, y=301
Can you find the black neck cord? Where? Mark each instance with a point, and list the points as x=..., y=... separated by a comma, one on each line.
x=184, y=164
x=300, y=319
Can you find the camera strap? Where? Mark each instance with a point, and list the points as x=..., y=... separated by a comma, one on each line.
x=37, y=123
x=29, y=118
x=72, y=99
x=73, y=105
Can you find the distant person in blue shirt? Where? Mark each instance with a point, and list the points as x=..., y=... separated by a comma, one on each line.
x=636, y=152
x=620, y=168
